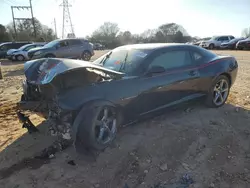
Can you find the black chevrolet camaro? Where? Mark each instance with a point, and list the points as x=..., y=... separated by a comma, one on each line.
x=87, y=102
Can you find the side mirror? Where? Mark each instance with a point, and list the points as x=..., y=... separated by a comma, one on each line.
x=155, y=70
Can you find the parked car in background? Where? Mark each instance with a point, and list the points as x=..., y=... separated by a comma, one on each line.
x=87, y=102
x=197, y=43
x=216, y=41
x=243, y=44
x=98, y=46
x=21, y=53
x=4, y=47
x=231, y=44
x=64, y=48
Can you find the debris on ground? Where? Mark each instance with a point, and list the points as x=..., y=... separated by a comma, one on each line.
x=71, y=162
x=164, y=167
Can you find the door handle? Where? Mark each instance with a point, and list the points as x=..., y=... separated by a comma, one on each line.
x=193, y=73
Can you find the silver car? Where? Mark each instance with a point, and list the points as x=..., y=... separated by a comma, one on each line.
x=64, y=48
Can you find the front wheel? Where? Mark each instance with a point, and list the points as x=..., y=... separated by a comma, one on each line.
x=20, y=57
x=218, y=92
x=211, y=46
x=98, y=129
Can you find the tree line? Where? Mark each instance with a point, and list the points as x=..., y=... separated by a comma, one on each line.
x=108, y=34
x=25, y=31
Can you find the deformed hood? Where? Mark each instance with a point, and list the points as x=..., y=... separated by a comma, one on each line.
x=43, y=71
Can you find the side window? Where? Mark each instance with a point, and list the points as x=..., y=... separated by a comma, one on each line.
x=220, y=39
x=173, y=59
x=224, y=39
x=29, y=47
x=231, y=37
x=197, y=57
x=9, y=46
x=63, y=44
x=75, y=42
x=18, y=45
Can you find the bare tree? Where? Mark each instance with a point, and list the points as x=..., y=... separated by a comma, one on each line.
x=246, y=32
x=106, y=34
x=25, y=31
x=4, y=36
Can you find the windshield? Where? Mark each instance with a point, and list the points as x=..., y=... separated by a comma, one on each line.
x=122, y=59
x=213, y=38
x=23, y=47
x=51, y=44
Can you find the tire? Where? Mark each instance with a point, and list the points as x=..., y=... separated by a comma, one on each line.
x=20, y=58
x=49, y=56
x=86, y=56
x=89, y=130
x=211, y=46
x=215, y=91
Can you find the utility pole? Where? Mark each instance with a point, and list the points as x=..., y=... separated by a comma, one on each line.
x=33, y=21
x=21, y=19
x=14, y=24
x=55, y=27
x=67, y=19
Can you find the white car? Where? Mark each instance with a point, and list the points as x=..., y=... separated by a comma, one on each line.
x=21, y=53
x=216, y=41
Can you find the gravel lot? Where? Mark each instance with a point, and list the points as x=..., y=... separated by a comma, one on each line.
x=210, y=145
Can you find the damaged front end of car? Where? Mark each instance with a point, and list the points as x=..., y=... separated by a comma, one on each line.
x=46, y=80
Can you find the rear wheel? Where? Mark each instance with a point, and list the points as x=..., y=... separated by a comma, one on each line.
x=219, y=92
x=86, y=56
x=98, y=129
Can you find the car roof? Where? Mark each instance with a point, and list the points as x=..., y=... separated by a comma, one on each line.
x=15, y=42
x=152, y=46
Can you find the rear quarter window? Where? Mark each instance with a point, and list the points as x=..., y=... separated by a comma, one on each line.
x=75, y=42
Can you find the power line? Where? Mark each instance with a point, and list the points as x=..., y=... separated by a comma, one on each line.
x=19, y=19
x=7, y=2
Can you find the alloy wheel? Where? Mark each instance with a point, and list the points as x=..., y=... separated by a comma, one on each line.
x=20, y=58
x=105, y=126
x=220, y=92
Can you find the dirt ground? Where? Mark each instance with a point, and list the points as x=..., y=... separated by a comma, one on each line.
x=210, y=145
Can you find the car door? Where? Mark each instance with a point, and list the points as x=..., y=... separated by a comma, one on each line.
x=75, y=48
x=176, y=84
x=62, y=50
x=223, y=39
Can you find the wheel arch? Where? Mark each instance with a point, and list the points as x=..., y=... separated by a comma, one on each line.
x=84, y=109
x=228, y=76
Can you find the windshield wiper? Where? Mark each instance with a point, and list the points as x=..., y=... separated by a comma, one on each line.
x=105, y=58
x=123, y=63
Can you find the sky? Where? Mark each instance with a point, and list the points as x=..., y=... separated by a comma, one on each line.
x=203, y=18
